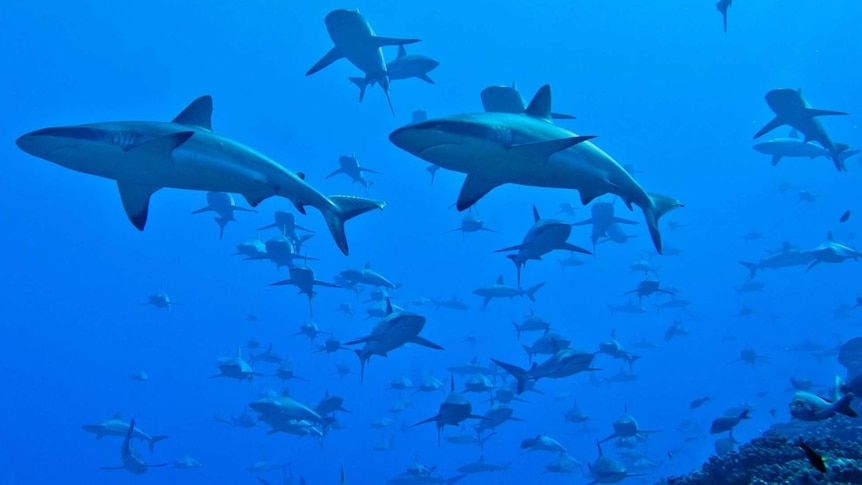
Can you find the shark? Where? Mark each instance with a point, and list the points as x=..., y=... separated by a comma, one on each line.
x=500, y=290
x=786, y=257
x=395, y=330
x=146, y=156
x=404, y=66
x=722, y=6
x=564, y=363
x=793, y=147
x=356, y=41
x=224, y=206
x=349, y=166
x=544, y=236
x=832, y=252
x=115, y=426
x=792, y=109
x=133, y=461
x=496, y=148
x=602, y=219
x=454, y=409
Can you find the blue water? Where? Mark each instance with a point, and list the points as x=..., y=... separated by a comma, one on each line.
x=658, y=82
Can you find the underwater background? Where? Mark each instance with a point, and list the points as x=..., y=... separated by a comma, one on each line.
x=660, y=84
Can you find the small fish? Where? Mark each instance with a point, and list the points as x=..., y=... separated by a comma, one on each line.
x=698, y=402
x=815, y=459
x=844, y=216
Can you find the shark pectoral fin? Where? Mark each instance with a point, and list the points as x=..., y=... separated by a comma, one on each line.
x=136, y=201
x=386, y=41
x=583, y=223
x=572, y=247
x=425, y=78
x=282, y=282
x=198, y=114
x=334, y=173
x=425, y=343
x=542, y=150
x=112, y=468
x=333, y=55
x=367, y=170
x=620, y=220
x=324, y=283
x=475, y=187
x=823, y=112
x=775, y=123
x=514, y=248
x=562, y=116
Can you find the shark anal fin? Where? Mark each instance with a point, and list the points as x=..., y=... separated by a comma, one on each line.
x=475, y=187
x=136, y=201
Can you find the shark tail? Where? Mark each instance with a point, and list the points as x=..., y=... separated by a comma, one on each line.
x=752, y=268
x=342, y=209
x=222, y=222
x=518, y=265
x=519, y=374
x=843, y=406
x=840, y=153
x=659, y=205
x=531, y=291
x=155, y=439
x=362, y=361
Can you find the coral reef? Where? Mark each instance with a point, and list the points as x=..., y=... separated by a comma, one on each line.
x=776, y=458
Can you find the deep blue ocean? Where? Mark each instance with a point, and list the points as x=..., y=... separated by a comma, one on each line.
x=658, y=82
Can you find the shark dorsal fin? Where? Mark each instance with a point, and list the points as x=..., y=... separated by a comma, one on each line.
x=452, y=383
x=829, y=236
x=368, y=265
x=401, y=51
x=118, y=415
x=500, y=280
x=285, y=392
x=388, y=306
x=198, y=114
x=536, y=215
x=794, y=134
x=239, y=352
x=599, y=445
x=540, y=106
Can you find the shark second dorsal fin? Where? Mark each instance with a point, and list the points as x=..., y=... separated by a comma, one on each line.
x=540, y=106
x=536, y=215
x=500, y=280
x=198, y=114
x=368, y=265
x=118, y=415
x=401, y=51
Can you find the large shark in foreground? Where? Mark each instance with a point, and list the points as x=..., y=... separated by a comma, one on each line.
x=496, y=148
x=356, y=41
x=790, y=108
x=145, y=156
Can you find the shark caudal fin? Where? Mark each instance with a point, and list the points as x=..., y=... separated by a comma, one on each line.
x=342, y=209
x=155, y=439
x=841, y=153
x=659, y=205
x=519, y=374
x=531, y=291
